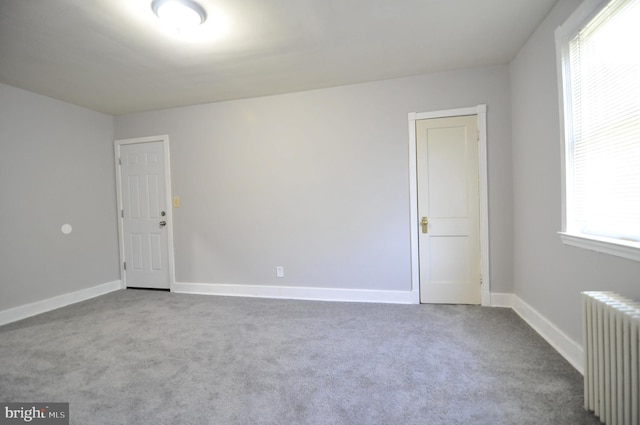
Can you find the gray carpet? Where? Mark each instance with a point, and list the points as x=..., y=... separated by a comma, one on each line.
x=144, y=357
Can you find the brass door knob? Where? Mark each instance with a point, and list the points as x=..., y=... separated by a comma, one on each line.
x=425, y=225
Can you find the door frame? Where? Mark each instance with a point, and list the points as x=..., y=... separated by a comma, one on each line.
x=481, y=112
x=169, y=217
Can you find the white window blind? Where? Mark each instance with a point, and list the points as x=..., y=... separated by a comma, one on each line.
x=603, y=147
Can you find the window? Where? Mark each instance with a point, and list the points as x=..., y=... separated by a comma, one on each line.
x=599, y=58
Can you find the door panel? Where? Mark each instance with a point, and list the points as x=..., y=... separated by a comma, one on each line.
x=447, y=265
x=447, y=169
x=143, y=194
x=448, y=198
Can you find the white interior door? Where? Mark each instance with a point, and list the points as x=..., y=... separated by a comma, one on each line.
x=448, y=210
x=144, y=214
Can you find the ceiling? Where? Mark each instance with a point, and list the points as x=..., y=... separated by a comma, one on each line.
x=114, y=56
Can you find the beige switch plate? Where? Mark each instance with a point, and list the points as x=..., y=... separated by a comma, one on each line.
x=176, y=202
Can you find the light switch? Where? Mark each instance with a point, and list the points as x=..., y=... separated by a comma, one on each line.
x=176, y=202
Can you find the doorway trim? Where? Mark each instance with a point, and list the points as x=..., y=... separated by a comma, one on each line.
x=481, y=112
x=169, y=218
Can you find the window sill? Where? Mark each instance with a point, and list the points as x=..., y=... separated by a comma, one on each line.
x=625, y=249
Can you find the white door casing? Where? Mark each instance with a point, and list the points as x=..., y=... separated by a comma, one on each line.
x=145, y=216
x=448, y=207
x=447, y=270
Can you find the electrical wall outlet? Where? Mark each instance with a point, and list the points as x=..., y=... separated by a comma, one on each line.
x=279, y=271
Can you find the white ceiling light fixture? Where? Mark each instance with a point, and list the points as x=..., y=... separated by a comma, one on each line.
x=179, y=14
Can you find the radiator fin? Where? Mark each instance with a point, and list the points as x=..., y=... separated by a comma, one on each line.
x=611, y=337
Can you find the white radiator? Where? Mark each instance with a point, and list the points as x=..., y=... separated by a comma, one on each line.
x=611, y=336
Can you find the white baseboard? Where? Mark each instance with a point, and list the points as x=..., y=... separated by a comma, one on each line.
x=27, y=310
x=568, y=348
x=299, y=293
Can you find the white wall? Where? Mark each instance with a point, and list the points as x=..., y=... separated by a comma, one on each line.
x=317, y=181
x=56, y=167
x=548, y=275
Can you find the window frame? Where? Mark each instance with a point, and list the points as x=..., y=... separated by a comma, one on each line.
x=563, y=34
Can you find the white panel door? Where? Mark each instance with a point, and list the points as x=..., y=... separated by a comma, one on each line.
x=448, y=210
x=144, y=215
